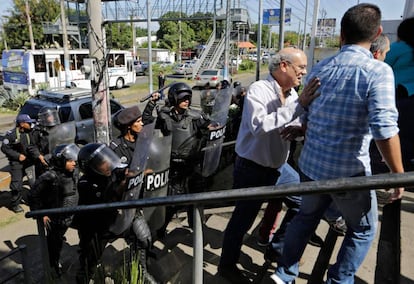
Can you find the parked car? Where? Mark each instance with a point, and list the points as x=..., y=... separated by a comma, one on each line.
x=164, y=64
x=210, y=77
x=73, y=104
x=140, y=67
x=183, y=69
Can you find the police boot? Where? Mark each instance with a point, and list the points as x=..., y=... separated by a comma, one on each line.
x=148, y=278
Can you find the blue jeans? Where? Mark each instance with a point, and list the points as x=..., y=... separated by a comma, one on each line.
x=246, y=174
x=358, y=208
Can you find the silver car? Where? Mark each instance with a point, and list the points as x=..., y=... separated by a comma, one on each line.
x=183, y=69
x=209, y=77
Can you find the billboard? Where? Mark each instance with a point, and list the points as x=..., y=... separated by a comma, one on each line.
x=272, y=16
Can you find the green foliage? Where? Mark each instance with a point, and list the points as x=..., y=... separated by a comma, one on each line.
x=16, y=102
x=16, y=31
x=169, y=31
x=247, y=65
x=119, y=36
x=202, y=29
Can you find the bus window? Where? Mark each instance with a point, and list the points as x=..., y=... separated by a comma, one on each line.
x=111, y=60
x=79, y=60
x=119, y=60
x=39, y=63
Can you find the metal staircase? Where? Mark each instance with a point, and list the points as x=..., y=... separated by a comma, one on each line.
x=211, y=54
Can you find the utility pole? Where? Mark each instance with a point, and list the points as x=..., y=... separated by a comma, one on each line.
x=282, y=25
x=304, y=26
x=29, y=23
x=65, y=44
x=149, y=45
x=313, y=34
x=100, y=99
x=259, y=40
x=227, y=40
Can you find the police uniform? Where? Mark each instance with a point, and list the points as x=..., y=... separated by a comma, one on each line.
x=124, y=148
x=188, y=130
x=16, y=143
x=55, y=189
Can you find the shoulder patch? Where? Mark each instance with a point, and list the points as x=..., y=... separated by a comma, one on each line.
x=6, y=141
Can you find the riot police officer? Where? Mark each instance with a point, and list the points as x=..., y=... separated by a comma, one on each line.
x=48, y=117
x=130, y=122
x=103, y=181
x=187, y=127
x=54, y=189
x=19, y=146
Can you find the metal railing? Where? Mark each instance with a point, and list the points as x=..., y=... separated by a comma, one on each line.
x=22, y=249
x=382, y=181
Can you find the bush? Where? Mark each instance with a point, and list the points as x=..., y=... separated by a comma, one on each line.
x=247, y=65
x=11, y=101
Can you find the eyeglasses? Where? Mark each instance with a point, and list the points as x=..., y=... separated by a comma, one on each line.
x=300, y=67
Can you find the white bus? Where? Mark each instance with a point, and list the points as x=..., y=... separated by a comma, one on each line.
x=29, y=70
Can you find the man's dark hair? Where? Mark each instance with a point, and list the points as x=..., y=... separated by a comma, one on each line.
x=405, y=31
x=360, y=23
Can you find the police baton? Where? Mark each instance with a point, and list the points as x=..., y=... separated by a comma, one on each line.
x=157, y=91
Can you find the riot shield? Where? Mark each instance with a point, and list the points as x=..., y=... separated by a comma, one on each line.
x=208, y=100
x=64, y=133
x=134, y=180
x=212, y=150
x=156, y=181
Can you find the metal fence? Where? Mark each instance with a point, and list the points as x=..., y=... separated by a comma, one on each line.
x=217, y=198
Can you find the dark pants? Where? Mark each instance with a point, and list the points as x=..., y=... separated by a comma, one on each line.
x=17, y=172
x=405, y=106
x=55, y=238
x=246, y=174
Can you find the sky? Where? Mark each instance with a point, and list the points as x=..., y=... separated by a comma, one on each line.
x=391, y=9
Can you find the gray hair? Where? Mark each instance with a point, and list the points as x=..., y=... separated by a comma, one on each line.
x=379, y=44
x=281, y=56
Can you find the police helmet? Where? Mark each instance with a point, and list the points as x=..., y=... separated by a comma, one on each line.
x=63, y=153
x=48, y=116
x=178, y=91
x=99, y=158
x=225, y=84
x=236, y=84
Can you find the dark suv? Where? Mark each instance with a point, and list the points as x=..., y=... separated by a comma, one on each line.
x=74, y=104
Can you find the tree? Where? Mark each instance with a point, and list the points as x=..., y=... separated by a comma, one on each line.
x=16, y=31
x=169, y=31
x=202, y=29
x=119, y=36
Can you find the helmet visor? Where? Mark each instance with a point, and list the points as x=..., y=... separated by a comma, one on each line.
x=103, y=161
x=70, y=152
x=49, y=118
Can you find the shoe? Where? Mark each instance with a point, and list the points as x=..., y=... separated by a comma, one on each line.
x=233, y=274
x=277, y=280
x=272, y=255
x=339, y=226
x=17, y=208
x=316, y=241
x=262, y=242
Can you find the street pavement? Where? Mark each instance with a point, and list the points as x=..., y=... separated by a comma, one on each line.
x=171, y=261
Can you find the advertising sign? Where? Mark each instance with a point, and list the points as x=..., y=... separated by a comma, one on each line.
x=272, y=16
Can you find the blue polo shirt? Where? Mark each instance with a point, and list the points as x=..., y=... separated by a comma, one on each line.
x=357, y=102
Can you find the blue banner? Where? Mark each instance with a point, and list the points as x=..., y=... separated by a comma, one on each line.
x=272, y=16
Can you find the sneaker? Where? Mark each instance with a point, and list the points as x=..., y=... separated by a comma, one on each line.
x=316, y=241
x=17, y=208
x=272, y=255
x=277, y=280
x=233, y=274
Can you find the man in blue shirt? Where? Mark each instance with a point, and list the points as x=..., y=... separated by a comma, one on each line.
x=357, y=103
